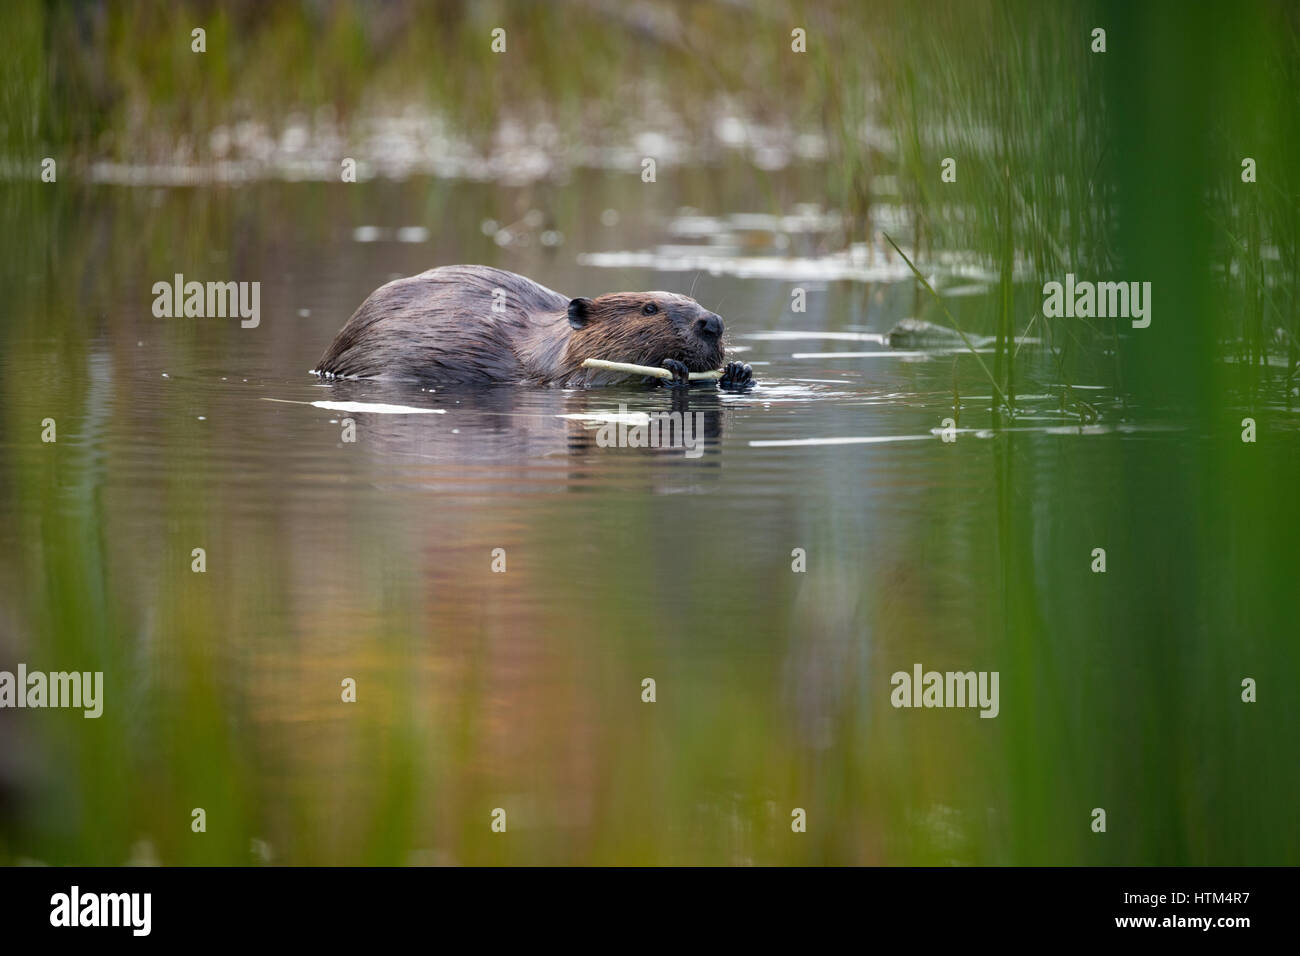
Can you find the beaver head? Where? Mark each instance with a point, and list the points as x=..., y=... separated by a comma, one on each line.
x=645, y=328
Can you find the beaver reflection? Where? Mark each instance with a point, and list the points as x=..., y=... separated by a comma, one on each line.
x=525, y=432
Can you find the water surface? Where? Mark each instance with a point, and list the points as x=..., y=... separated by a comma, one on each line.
x=479, y=689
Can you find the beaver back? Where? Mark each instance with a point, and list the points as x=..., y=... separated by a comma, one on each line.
x=451, y=324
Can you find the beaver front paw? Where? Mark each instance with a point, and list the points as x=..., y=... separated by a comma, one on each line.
x=681, y=374
x=736, y=377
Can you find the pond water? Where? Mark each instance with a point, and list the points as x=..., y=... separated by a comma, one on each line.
x=500, y=585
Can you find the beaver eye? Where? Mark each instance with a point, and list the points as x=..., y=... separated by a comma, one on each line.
x=649, y=309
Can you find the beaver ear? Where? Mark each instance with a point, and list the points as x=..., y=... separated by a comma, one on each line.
x=579, y=312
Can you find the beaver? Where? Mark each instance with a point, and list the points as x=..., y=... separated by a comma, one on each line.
x=475, y=324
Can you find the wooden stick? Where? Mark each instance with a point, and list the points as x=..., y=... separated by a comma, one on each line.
x=648, y=370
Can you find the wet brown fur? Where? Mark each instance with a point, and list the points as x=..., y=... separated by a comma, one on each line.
x=440, y=327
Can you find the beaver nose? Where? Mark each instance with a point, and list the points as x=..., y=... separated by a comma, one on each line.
x=709, y=326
